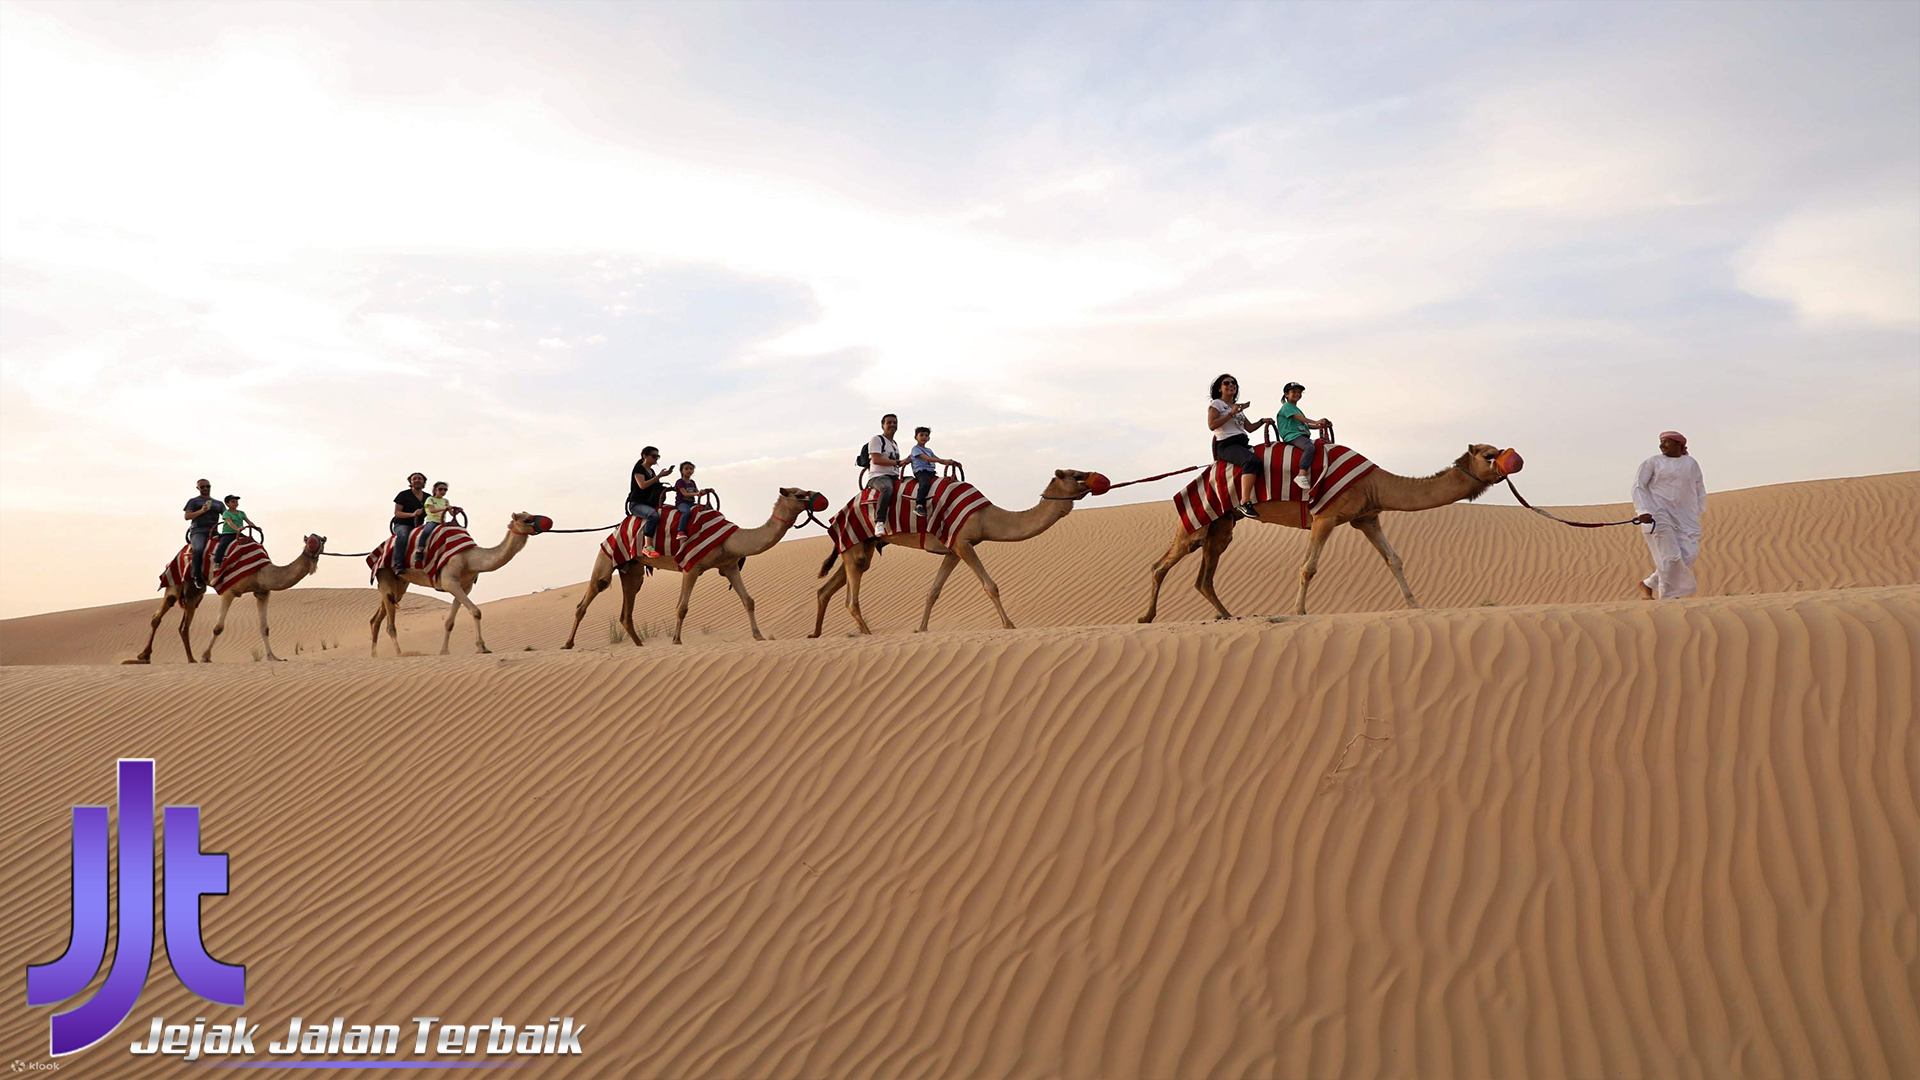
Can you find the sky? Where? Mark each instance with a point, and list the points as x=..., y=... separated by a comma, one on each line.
x=304, y=250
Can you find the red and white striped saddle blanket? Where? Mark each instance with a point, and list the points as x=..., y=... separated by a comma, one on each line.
x=949, y=505
x=706, y=530
x=244, y=557
x=1216, y=492
x=429, y=554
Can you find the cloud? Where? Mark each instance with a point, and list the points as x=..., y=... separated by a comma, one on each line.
x=1853, y=262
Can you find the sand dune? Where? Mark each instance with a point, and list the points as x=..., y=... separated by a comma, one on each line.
x=1617, y=839
x=1091, y=569
x=1566, y=833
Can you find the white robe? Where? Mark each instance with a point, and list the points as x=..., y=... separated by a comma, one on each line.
x=1671, y=489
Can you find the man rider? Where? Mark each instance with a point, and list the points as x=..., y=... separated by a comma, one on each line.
x=884, y=462
x=409, y=507
x=203, y=510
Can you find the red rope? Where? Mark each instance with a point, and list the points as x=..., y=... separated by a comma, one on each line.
x=1162, y=476
x=1561, y=520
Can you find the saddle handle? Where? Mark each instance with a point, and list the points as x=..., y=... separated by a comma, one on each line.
x=956, y=471
x=710, y=499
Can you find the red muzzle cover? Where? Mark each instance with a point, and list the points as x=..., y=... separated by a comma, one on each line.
x=1098, y=483
x=1509, y=462
x=543, y=523
x=818, y=504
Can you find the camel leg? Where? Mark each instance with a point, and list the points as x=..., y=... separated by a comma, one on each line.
x=939, y=579
x=972, y=559
x=825, y=593
x=392, y=591
x=857, y=561
x=732, y=573
x=632, y=576
x=1322, y=528
x=188, y=605
x=460, y=599
x=373, y=626
x=601, y=577
x=219, y=627
x=687, y=578
x=153, y=629
x=1182, y=546
x=1219, y=535
x=261, y=599
x=1370, y=528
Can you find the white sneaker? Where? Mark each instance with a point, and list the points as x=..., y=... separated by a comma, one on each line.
x=1300, y=482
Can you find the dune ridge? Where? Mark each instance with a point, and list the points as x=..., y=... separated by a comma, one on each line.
x=1091, y=569
x=1611, y=839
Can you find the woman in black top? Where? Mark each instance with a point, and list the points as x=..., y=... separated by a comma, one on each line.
x=408, y=508
x=643, y=497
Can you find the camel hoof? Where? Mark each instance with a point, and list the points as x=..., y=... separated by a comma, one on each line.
x=810, y=637
x=483, y=649
x=137, y=660
x=568, y=645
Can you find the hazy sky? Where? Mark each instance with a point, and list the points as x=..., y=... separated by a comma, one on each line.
x=304, y=250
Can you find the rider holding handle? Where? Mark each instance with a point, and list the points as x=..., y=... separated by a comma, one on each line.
x=1291, y=426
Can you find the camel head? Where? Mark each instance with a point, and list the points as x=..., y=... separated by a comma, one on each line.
x=1070, y=484
x=313, y=544
x=1484, y=464
x=797, y=500
x=529, y=524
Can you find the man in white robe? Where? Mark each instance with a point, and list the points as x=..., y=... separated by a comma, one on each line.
x=1670, y=496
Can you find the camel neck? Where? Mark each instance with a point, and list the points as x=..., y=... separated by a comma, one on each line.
x=1450, y=485
x=1015, y=525
x=481, y=560
x=275, y=578
x=761, y=537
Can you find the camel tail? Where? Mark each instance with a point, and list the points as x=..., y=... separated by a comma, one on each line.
x=827, y=566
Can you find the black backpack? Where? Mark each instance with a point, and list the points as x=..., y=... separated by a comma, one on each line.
x=862, y=459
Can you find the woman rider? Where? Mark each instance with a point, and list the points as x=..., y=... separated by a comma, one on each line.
x=1226, y=418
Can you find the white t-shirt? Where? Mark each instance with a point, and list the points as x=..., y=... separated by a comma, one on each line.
x=881, y=446
x=1235, y=425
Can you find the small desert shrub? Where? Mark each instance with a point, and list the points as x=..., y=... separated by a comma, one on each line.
x=615, y=633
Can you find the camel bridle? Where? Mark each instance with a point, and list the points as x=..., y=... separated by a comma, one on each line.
x=806, y=508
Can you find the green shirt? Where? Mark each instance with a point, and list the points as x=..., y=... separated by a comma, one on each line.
x=232, y=521
x=1288, y=425
x=436, y=508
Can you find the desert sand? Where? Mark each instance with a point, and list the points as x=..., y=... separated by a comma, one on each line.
x=1542, y=828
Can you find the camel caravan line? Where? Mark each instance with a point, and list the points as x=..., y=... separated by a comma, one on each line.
x=955, y=519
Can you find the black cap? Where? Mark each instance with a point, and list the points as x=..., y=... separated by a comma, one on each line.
x=1291, y=387
x=230, y=497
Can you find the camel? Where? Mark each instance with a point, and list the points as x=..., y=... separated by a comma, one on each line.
x=727, y=557
x=262, y=583
x=989, y=524
x=1360, y=506
x=457, y=577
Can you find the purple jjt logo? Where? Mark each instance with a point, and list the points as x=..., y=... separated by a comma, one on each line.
x=189, y=874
